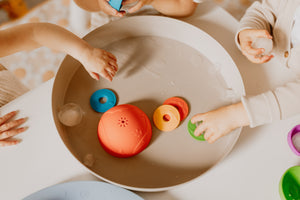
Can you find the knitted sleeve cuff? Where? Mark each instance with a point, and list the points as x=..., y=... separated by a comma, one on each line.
x=261, y=109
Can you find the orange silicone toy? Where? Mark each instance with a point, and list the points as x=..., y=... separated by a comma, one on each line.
x=166, y=118
x=180, y=104
x=124, y=131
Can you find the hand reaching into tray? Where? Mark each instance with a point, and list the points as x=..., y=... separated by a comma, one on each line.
x=25, y=37
x=220, y=122
x=99, y=62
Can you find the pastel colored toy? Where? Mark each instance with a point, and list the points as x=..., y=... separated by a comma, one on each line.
x=295, y=132
x=166, y=118
x=191, y=128
x=124, y=131
x=180, y=104
x=106, y=94
x=116, y=4
x=289, y=185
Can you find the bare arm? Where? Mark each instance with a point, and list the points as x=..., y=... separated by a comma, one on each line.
x=34, y=35
x=174, y=8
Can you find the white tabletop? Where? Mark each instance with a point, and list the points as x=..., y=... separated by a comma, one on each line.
x=251, y=171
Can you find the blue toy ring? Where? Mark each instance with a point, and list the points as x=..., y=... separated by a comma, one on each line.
x=98, y=95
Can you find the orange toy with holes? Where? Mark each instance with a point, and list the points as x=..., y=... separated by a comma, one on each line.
x=124, y=131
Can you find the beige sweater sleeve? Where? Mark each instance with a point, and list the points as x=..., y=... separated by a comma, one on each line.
x=270, y=106
x=283, y=102
x=261, y=16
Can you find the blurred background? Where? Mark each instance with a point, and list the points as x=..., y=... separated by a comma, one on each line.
x=38, y=66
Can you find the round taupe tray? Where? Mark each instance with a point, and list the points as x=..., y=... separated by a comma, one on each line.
x=158, y=58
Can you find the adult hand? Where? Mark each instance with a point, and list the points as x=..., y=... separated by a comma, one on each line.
x=246, y=38
x=9, y=128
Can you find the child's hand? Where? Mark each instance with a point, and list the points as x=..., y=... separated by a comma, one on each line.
x=220, y=122
x=246, y=37
x=9, y=128
x=106, y=8
x=99, y=62
x=137, y=6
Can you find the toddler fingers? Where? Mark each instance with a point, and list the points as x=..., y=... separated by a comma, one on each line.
x=250, y=50
x=9, y=143
x=266, y=58
x=253, y=58
x=212, y=138
x=200, y=130
x=12, y=124
x=11, y=133
x=105, y=74
x=112, y=56
x=111, y=71
x=111, y=11
x=136, y=7
x=208, y=135
x=262, y=59
x=262, y=33
x=196, y=118
x=128, y=2
x=94, y=75
x=7, y=117
x=114, y=65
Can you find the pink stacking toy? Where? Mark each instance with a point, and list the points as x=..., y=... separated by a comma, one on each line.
x=291, y=134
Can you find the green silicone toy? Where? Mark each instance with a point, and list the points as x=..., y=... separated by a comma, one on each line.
x=289, y=186
x=191, y=129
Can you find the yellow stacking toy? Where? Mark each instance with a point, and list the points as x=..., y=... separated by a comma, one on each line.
x=166, y=118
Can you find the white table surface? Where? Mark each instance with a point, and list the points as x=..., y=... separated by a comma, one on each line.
x=251, y=171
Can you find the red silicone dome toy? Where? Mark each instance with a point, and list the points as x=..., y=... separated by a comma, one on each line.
x=124, y=131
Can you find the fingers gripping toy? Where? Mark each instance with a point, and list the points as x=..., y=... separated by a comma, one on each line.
x=191, y=128
x=116, y=4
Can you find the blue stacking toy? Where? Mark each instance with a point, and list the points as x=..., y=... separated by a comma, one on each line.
x=116, y=4
x=110, y=97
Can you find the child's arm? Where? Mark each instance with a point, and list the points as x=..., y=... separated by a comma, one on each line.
x=10, y=128
x=264, y=108
x=221, y=121
x=30, y=36
x=173, y=8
